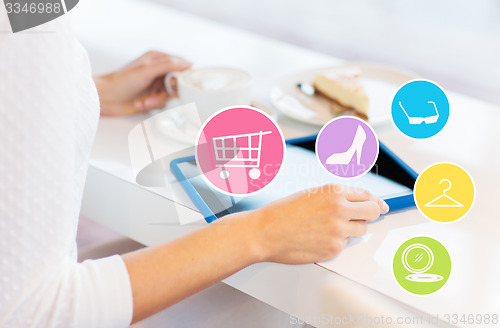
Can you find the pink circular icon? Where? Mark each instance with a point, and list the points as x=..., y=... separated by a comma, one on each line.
x=240, y=150
x=347, y=147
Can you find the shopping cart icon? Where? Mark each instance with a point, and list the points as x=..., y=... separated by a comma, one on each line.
x=239, y=150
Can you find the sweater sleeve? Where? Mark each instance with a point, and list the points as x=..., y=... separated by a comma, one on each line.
x=94, y=293
x=49, y=111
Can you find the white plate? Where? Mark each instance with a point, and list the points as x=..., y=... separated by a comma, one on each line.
x=380, y=82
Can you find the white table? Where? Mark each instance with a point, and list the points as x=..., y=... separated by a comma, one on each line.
x=115, y=32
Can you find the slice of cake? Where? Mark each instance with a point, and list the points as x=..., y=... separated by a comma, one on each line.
x=344, y=86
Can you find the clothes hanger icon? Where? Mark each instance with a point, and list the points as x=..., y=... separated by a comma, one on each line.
x=444, y=195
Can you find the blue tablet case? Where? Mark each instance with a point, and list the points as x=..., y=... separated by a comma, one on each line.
x=388, y=165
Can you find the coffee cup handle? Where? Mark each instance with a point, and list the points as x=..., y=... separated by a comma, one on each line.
x=168, y=84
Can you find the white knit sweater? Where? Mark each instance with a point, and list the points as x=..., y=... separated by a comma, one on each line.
x=48, y=115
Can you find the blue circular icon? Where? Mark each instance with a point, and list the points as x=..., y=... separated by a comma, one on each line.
x=420, y=109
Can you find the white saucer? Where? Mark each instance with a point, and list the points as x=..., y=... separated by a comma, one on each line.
x=381, y=84
x=183, y=124
x=179, y=123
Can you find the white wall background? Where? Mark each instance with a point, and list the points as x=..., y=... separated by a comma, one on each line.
x=453, y=42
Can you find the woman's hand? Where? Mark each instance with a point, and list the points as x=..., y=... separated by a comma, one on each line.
x=312, y=226
x=139, y=86
x=307, y=227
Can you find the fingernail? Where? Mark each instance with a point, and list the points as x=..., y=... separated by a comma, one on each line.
x=385, y=208
x=179, y=60
x=139, y=104
x=150, y=103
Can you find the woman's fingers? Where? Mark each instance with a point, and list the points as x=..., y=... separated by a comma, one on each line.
x=148, y=58
x=355, y=228
x=366, y=211
x=160, y=68
x=150, y=102
x=139, y=86
x=362, y=195
x=155, y=97
x=156, y=64
x=358, y=195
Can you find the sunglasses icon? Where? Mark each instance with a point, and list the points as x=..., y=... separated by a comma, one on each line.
x=418, y=120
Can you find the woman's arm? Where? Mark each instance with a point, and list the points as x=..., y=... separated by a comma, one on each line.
x=311, y=226
x=308, y=227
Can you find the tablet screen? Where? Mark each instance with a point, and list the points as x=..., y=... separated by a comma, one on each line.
x=301, y=171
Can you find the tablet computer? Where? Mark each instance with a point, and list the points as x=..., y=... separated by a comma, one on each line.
x=390, y=179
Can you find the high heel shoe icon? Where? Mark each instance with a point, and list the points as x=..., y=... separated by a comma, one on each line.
x=356, y=147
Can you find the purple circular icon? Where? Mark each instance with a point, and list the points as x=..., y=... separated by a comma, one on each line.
x=347, y=147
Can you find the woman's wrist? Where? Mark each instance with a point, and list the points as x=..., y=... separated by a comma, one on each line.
x=101, y=86
x=246, y=228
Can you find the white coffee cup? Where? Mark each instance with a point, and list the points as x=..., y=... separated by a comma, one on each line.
x=211, y=88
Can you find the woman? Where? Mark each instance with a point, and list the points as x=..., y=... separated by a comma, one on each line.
x=50, y=108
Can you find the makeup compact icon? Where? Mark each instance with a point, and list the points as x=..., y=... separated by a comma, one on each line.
x=418, y=259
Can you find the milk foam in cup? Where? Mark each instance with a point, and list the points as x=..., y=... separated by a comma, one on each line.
x=211, y=88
